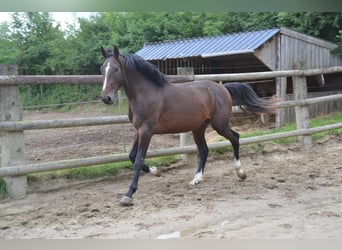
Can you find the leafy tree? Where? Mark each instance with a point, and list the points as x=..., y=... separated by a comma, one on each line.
x=338, y=50
x=33, y=34
x=6, y=48
x=325, y=25
x=84, y=45
x=130, y=30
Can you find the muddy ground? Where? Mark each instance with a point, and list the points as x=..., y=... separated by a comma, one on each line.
x=289, y=193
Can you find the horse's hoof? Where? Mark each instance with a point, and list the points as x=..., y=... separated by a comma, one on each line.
x=126, y=201
x=241, y=174
x=158, y=174
x=156, y=171
x=194, y=183
x=197, y=179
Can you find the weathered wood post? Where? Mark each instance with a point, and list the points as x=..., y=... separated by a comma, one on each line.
x=281, y=86
x=187, y=138
x=12, y=143
x=302, y=112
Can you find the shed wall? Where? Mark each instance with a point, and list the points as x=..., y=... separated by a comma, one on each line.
x=316, y=109
x=294, y=50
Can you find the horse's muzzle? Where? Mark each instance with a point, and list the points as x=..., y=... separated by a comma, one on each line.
x=107, y=100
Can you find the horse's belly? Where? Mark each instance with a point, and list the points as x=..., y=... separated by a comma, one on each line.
x=179, y=124
x=185, y=108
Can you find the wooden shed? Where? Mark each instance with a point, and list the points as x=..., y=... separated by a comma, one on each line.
x=253, y=51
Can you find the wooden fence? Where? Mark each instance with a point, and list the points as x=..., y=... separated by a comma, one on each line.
x=14, y=169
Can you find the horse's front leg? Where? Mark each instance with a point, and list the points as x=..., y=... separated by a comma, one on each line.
x=133, y=154
x=144, y=139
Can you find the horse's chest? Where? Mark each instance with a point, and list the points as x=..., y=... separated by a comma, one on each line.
x=144, y=114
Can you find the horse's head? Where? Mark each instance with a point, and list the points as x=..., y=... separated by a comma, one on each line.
x=113, y=78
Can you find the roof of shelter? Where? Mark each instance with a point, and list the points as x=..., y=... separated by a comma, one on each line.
x=237, y=43
x=223, y=45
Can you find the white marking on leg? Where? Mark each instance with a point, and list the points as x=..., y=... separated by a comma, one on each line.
x=239, y=171
x=156, y=171
x=106, y=76
x=237, y=163
x=153, y=170
x=198, y=178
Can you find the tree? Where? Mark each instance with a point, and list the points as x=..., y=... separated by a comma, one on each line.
x=6, y=48
x=325, y=25
x=32, y=38
x=86, y=43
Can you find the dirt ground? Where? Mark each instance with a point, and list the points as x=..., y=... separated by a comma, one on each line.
x=289, y=193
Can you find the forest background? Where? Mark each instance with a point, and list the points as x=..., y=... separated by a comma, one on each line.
x=38, y=46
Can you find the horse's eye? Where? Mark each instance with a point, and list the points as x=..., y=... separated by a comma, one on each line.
x=101, y=68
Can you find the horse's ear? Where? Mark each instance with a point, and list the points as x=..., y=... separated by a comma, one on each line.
x=116, y=52
x=104, y=53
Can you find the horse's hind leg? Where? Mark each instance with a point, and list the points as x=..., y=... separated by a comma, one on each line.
x=233, y=137
x=237, y=163
x=203, y=150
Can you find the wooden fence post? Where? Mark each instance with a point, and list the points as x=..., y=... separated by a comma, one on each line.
x=12, y=143
x=281, y=86
x=187, y=138
x=302, y=112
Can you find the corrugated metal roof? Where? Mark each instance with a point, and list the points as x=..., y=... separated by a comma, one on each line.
x=245, y=42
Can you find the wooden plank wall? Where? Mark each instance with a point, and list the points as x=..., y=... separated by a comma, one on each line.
x=294, y=50
x=315, y=109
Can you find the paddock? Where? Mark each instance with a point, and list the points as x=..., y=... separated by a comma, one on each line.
x=290, y=192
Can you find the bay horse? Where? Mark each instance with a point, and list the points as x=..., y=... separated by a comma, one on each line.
x=159, y=107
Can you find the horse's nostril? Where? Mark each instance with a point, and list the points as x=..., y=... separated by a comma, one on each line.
x=107, y=100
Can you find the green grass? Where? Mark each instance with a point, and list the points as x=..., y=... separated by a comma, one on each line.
x=163, y=161
x=3, y=190
x=104, y=170
x=315, y=122
x=91, y=172
x=286, y=128
x=333, y=118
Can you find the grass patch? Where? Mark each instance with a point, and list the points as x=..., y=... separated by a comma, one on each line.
x=91, y=172
x=104, y=170
x=3, y=190
x=286, y=128
x=163, y=161
x=326, y=120
x=333, y=118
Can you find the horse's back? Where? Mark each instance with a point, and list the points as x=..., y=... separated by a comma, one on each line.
x=208, y=92
x=188, y=105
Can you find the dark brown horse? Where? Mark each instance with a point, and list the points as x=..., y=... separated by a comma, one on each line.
x=159, y=107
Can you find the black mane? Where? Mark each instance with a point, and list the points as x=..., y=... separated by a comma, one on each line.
x=150, y=71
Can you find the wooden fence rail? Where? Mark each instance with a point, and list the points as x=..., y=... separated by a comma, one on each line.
x=91, y=161
x=97, y=79
x=12, y=125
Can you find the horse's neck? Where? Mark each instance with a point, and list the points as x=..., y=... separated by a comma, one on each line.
x=138, y=89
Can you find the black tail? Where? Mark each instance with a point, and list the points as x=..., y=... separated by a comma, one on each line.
x=245, y=97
